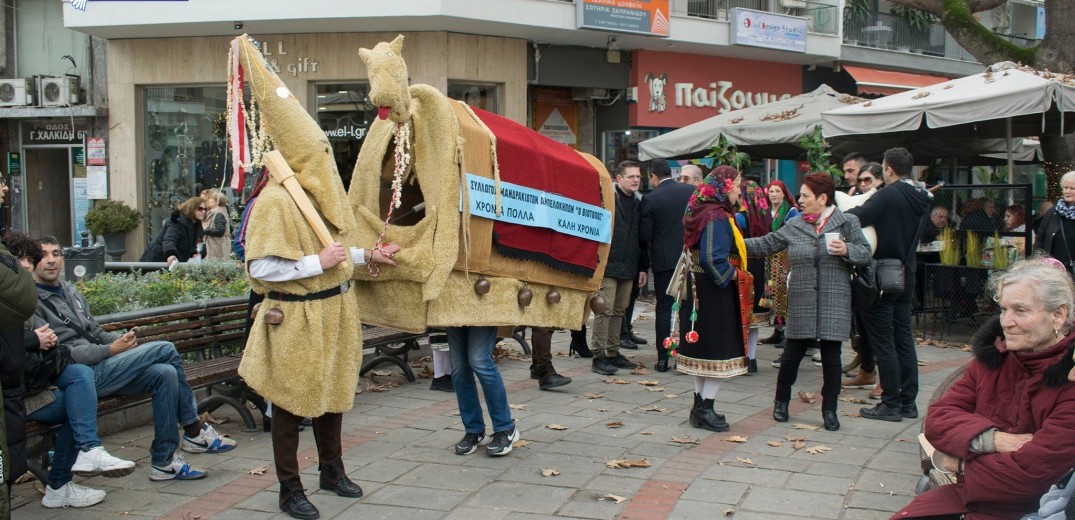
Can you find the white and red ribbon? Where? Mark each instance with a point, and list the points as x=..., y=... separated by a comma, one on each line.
x=240, y=149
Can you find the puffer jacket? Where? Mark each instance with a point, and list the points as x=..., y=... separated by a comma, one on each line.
x=179, y=238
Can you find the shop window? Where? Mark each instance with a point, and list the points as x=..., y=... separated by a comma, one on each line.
x=343, y=111
x=483, y=96
x=184, y=146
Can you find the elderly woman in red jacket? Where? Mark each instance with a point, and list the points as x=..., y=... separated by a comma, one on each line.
x=1005, y=428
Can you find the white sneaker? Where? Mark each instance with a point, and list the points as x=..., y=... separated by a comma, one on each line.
x=208, y=441
x=71, y=495
x=178, y=469
x=97, y=461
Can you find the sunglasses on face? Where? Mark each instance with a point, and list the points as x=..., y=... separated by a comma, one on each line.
x=201, y=208
x=865, y=180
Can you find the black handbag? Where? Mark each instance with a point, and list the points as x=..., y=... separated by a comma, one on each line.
x=44, y=366
x=864, y=289
x=890, y=275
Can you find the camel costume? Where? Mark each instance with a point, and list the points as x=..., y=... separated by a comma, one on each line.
x=307, y=364
x=452, y=271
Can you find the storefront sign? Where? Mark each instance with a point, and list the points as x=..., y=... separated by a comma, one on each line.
x=535, y=208
x=14, y=163
x=769, y=30
x=556, y=116
x=346, y=132
x=52, y=133
x=634, y=16
x=676, y=89
x=95, y=151
x=293, y=66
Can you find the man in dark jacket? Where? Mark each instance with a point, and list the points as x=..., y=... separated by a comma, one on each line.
x=620, y=274
x=897, y=213
x=661, y=230
x=17, y=303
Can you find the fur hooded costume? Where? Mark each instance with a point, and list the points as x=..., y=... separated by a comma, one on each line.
x=309, y=363
x=1014, y=393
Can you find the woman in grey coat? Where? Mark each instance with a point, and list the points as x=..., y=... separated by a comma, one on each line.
x=819, y=294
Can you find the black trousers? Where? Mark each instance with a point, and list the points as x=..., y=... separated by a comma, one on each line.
x=888, y=325
x=541, y=347
x=865, y=350
x=794, y=351
x=663, y=327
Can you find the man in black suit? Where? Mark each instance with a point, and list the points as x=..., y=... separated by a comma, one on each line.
x=661, y=229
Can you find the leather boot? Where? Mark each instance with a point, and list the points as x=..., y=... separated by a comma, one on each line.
x=832, y=423
x=855, y=362
x=694, y=411
x=780, y=411
x=549, y=379
x=578, y=344
x=708, y=419
x=775, y=339
x=293, y=501
x=752, y=366
x=334, y=478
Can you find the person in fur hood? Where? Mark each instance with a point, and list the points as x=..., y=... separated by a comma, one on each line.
x=1005, y=427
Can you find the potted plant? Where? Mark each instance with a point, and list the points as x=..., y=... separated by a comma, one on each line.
x=112, y=220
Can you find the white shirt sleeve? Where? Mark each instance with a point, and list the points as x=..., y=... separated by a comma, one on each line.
x=276, y=269
x=358, y=256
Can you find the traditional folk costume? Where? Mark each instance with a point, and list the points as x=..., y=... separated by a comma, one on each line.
x=719, y=296
x=754, y=220
x=778, y=266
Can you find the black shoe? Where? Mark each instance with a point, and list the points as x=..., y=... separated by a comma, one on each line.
x=625, y=342
x=442, y=383
x=579, y=346
x=780, y=411
x=621, y=362
x=602, y=366
x=752, y=366
x=704, y=417
x=553, y=380
x=534, y=372
x=636, y=339
x=881, y=413
x=502, y=442
x=334, y=478
x=831, y=422
x=909, y=412
x=293, y=501
x=776, y=339
x=469, y=443
x=662, y=365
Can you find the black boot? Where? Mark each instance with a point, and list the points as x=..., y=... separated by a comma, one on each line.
x=578, y=344
x=334, y=478
x=549, y=379
x=694, y=411
x=293, y=501
x=776, y=338
x=752, y=366
x=831, y=422
x=707, y=419
x=780, y=411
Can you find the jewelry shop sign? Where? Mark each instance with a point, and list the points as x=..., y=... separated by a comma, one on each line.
x=769, y=30
x=648, y=17
x=535, y=208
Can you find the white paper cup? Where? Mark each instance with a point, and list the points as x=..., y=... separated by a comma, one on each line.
x=829, y=237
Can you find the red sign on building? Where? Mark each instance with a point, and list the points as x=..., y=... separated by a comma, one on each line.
x=676, y=89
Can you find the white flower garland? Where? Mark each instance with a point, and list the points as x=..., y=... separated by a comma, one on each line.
x=402, y=156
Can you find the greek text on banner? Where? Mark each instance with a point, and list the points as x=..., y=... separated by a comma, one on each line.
x=536, y=208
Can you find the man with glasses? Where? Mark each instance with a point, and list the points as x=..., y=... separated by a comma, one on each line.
x=691, y=174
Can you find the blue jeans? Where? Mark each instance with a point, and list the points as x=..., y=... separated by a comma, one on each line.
x=152, y=367
x=75, y=410
x=472, y=354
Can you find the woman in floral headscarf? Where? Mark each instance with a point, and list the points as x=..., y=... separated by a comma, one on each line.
x=755, y=221
x=782, y=207
x=711, y=347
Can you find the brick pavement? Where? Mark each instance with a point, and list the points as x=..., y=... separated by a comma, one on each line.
x=397, y=445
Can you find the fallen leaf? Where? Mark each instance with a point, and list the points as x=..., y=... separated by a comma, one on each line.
x=640, y=370
x=744, y=460
x=549, y=472
x=798, y=445
x=607, y=379
x=206, y=418
x=260, y=470
x=455, y=413
x=685, y=440
x=736, y=438
x=602, y=409
x=555, y=427
x=729, y=512
x=425, y=373
x=775, y=443
x=649, y=383
x=614, y=424
x=517, y=406
x=818, y=450
x=621, y=382
x=420, y=362
x=855, y=400
x=615, y=498
x=670, y=396
x=381, y=373
x=810, y=427
x=654, y=388
x=655, y=408
x=520, y=444
x=594, y=395
x=850, y=414
x=645, y=433
x=378, y=387
x=622, y=463
x=807, y=397
x=793, y=438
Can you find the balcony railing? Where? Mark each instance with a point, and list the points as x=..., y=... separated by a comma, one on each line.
x=888, y=31
x=821, y=17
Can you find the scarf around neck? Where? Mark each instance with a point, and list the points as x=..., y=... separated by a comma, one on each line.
x=1065, y=210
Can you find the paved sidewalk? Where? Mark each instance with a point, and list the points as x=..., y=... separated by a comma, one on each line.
x=398, y=448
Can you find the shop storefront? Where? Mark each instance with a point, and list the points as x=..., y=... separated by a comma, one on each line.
x=167, y=102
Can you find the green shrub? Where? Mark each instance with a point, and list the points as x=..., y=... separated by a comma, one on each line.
x=120, y=292
x=111, y=216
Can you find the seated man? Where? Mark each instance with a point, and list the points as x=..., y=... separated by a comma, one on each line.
x=123, y=367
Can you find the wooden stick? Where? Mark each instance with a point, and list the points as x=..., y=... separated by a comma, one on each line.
x=283, y=174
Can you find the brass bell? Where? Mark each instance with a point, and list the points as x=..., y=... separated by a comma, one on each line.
x=274, y=316
x=482, y=286
x=525, y=297
x=598, y=304
x=553, y=296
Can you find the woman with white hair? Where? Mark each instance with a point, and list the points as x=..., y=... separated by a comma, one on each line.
x=1005, y=427
x=1056, y=233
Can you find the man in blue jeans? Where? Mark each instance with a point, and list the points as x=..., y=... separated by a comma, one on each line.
x=472, y=354
x=122, y=366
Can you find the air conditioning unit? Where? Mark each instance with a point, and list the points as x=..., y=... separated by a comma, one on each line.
x=58, y=91
x=15, y=92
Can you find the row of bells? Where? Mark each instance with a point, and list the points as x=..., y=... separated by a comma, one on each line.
x=526, y=296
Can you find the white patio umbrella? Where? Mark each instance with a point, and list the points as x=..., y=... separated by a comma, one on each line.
x=771, y=130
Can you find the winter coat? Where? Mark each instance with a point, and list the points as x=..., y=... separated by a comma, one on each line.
x=896, y=213
x=1014, y=393
x=661, y=224
x=17, y=301
x=819, y=285
x=179, y=238
x=15, y=309
x=1049, y=239
x=217, y=234
x=88, y=349
x=623, y=256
